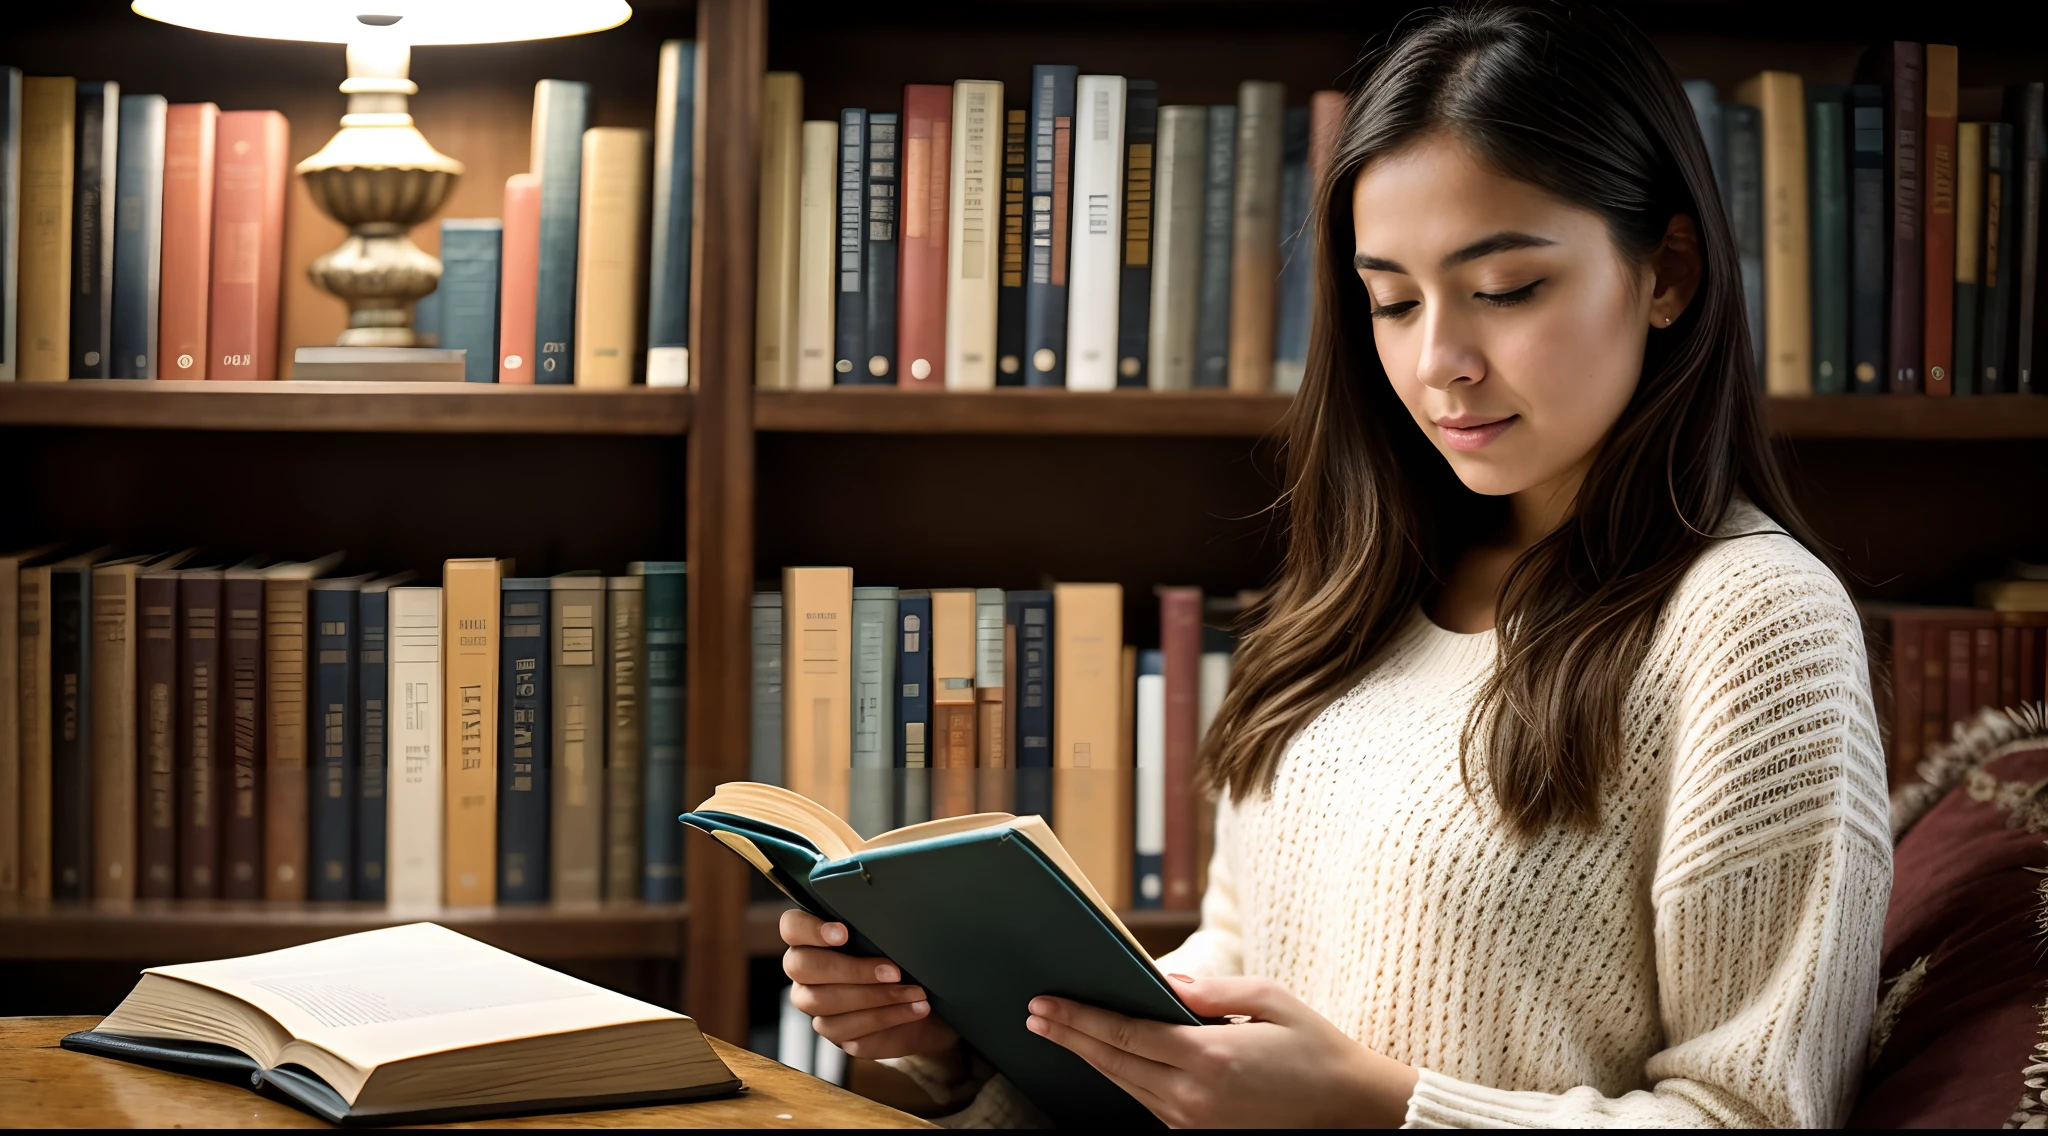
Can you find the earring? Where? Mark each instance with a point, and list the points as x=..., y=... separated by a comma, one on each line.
x=1667, y=321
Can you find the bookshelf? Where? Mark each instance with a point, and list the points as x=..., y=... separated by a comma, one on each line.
x=346, y=407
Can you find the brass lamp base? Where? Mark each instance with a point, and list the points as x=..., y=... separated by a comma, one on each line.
x=381, y=274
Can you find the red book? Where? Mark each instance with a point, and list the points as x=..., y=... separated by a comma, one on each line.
x=1984, y=669
x=251, y=160
x=921, y=265
x=519, y=282
x=1940, y=229
x=1960, y=658
x=1325, y=119
x=156, y=702
x=2009, y=665
x=1180, y=645
x=187, y=251
x=1934, y=689
x=1908, y=694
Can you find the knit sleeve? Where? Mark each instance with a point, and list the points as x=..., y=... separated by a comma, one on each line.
x=1216, y=949
x=1771, y=876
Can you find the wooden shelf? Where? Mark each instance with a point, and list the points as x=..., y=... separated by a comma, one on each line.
x=404, y=408
x=1963, y=418
x=165, y=931
x=1019, y=410
x=1159, y=931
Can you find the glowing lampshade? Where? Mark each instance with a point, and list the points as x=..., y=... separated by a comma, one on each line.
x=416, y=22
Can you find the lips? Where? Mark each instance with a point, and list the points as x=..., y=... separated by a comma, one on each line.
x=1473, y=431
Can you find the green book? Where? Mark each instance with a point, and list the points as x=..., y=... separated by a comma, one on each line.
x=985, y=912
x=664, y=715
x=1827, y=157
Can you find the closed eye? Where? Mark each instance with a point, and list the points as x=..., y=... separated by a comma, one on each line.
x=1393, y=311
x=1509, y=299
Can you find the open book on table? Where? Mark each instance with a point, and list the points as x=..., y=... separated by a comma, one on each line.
x=409, y=1024
x=985, y=912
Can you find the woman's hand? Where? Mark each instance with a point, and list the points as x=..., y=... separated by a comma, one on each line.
x=1285, y=1067
x=860, y=1005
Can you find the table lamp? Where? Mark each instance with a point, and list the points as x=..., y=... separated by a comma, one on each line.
x=379, y=175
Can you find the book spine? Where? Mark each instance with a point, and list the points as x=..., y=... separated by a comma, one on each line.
x=1938, y=219
x=850, y=306
x=675, y=187
x=10, y=651
x=373, y=748
x=2030, y=139
x=1869, y=231
x=576, y=829
x=2008, y=666
x=611, y=235
x=926, y=184
x=156, y=679
x=1134, y=284
x=1095, y=238
x=764, y=761
x=993, y=753
x=1214, y=683
x=775, y=288
x=625, y=752
x=667, y=686
x=519, y=279
x=1969, y=253
x=1180, y=186
x=242, y=655
x=331, y=821
x=1908, y=696
x=1827, y=166
x=10, y=247
x=470, y=255
x=1903, y=164
x=114, y=772
x=186, y=261
x=33, y=624
x=413, y=808
x=1996, y=301
x=874, y=710
x=1297, y=247
x=880, y=257
x=71, y=722
x=974, y=206
x=561, y=113
x=1212, y=311
x=137, y=235
x=1706, y=111
x=817, y=242
x=469, y=701
x=1934, y=687
x=1180, y=643
x=953, y=715
x=92, y=230
x=1984, y=670
x=1744, y=148
x=1092, y=775
x=198, y=746
x=1029, y=615
x=817, y=636
x=252, y=151
x=523, y=734
x=914, y=703
x=1051, y=157
x=1961, y=658
x=1011, y=303
x=1152, y=835
x=1255, y=235
x=49, y=115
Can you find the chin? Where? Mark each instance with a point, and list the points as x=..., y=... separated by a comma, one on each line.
x=1489, y=479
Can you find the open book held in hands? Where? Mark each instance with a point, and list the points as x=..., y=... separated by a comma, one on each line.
x=985, y=912
x=409, y=1024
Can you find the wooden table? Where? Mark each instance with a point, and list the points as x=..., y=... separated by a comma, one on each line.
x=42, y=1086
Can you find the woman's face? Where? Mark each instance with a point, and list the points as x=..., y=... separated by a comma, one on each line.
x=1510, y=324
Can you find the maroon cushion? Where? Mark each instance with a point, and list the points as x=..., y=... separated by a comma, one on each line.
x=1966, y=898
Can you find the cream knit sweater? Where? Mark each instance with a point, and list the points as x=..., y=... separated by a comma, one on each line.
x=1707, y=957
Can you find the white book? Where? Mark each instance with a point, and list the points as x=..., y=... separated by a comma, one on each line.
x=1151, y=762
x=974, y=235
x=817, y=233
x=1212, y=681
x=1095, y=252
x=1179, y=176
x=796, y=1043
x=413, y=798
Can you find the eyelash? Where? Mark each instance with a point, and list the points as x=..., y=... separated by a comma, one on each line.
x=1520, y=295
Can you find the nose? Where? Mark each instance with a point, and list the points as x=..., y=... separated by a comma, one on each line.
x=1449, y=352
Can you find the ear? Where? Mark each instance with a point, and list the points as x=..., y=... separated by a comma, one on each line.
x=1678, y=267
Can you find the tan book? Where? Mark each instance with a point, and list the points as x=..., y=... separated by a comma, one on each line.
x=817, y=683
x=1255, y=235
x=782, y=114
x=611, y=247
x=287, y=719
x=49, y=115
x=578, y=638
x=13, y=721
x=974, y=208
x=33, y=676
x=625, y=666
x=469, y=699
x=1788, y=304
x=1091, y=771
x=114, y=766
x=954, y=723
x=817, y=248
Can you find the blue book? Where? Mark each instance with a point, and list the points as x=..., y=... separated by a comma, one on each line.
x=914, y=702
x=561, y=113
x=667, y=647
x=426, y=316
x=1047, y=194
x=1745, y=142
x=1134, y=284
x=1706, y=111
x=1212, y=319
x=93, y=170
x=523, y=702
x=1297, y=256
x=373, y=698
x=138, y=233
x=1029, y=615
x=1870, y=234
x=880, y=260
x=850, y=314
x=675, y=181
x=331, y=813
x=10, y=214
x=471, y=255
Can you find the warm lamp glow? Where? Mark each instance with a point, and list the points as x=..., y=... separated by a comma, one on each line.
x=416, y=22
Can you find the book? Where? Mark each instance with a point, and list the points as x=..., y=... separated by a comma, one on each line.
x=243, y=703
x=414, y=1023
x=775, y=285
x=519, y=279
x=1869, y=240
x=1148, y=890
x=675, y=189
x=524, y=699
x=561, y=113
x=1028, y=615
x=1048, y=192
x=978, y=268
x=993, y=751
x=817, y=684
x=850, y=305
x=92, y=230
x=1219, y=196
x=871, y=792
x=71, y=724
x=576, y=717
x=137, y=235
x=878, y=285
x=49, y=116
x=2030, y=140
x=374, y=722
x=1179, y=187
x=1996, y=292
x=1134, y=282
x=413, y=809
x=1095, y=234
x=1255, y=234
x=252, y=150
x=1091, y=780
x=337, y=733
x=10, y=248
x=926, y=175
x=665, y=711
x=1827, y=163
x=426, y=325
x=112, y=771
x=625, y=750
x=953, y=716
x=817, y=244
x=1938, y=218
x=470, y=613
x=1010, y=292
x=1780, y=99
x=10, y=694
x=1007, y=881
x=1296, y=293
x=196, y=699
x=1969, y=253
x=472, y=250
x=914, y=703
x=764, y=757
x=608, y=270
x=1898, y=67
x=157, y=690
x=33, y=705
x=1744, y=147
x=1706, y=112
x=1180, y=642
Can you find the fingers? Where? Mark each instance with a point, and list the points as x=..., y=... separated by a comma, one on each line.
x=841, y=1029
x=928, y=1036
x=1153, y=1041
x=817, y=966
x=803, y=929
x=1147, y=1080
x=846, y=997
x=1259, y=998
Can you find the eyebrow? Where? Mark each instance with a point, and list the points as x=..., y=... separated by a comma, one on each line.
x=1485, y=246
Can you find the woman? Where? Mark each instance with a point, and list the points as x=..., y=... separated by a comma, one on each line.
x=1551, y=788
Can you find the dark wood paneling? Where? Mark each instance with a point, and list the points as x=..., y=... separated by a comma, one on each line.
x=1019, y=411
x=346, y=407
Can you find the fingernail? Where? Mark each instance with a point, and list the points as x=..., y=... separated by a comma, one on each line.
x=1035, y=1024
x=1040, y=1006
x=909, y=993
x=835, y=934
x=920, y=1008
x=1181, y=977
x=887, y=973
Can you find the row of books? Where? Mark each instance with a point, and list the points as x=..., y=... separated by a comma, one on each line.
x=272, y=731
x=1935, y=668
x=1885, y=246
x=1082, y=236
x=896, y=706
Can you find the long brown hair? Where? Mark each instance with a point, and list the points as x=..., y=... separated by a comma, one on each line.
x=1577, y=102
